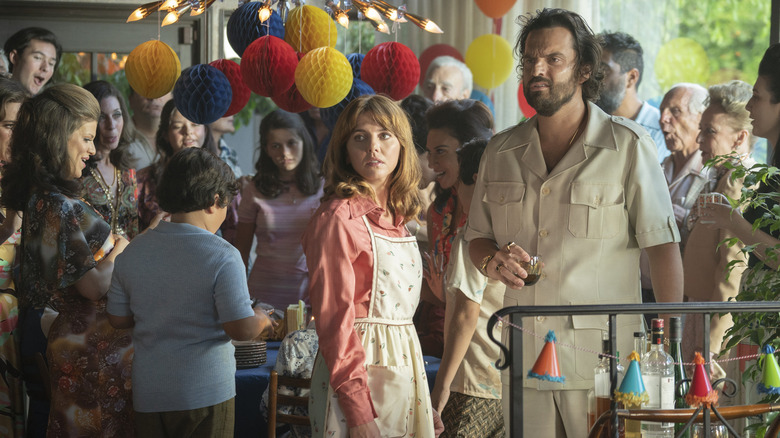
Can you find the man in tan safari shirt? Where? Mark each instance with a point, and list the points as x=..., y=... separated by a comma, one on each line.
x=584, y=191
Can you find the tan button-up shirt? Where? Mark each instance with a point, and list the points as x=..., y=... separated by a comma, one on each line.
x=587, y=219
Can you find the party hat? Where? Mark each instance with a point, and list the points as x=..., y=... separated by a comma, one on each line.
x=546, y=366
x=632, y=391
x=700, y=392
x=770, y=383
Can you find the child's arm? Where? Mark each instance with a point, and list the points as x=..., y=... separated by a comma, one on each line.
x=248, y=328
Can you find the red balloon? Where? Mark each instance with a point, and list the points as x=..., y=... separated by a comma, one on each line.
x=241, y=92
x=495, y=8
x=268, y=65
x=391, y=68
x=291, y=100
x=434, y=52
x=526, y=109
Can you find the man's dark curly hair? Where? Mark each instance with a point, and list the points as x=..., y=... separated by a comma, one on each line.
x=587, y=45
x=191, y=179
x=626, y=52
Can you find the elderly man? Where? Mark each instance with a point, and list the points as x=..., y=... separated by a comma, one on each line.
x=622, y=56
x=33, y=53
x=146, y=118
x=447, y=79
x=579, y=188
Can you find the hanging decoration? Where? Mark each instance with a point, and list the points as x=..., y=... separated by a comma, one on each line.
x=324, y=77
x=490, y=59
x=241, y=92
x=701, y=392
x=391, y=68
x=268, y=65
x=355, y=60
x=632, y=390
x=331, y=114
x=291, y=100
x=495, y=8
x=309, y=27
x=202, y=94
x=681, y=60
x=433, y=52
x=546, y=366
x=244, y=27
x=152, y=69
x=770, y=372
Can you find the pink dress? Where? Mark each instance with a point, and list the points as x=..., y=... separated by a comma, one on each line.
x=279, y=275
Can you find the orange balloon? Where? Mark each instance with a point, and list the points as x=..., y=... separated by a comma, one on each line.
x=495, y=8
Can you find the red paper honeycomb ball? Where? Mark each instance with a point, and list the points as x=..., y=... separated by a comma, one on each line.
x=268, y=66
x=392, y=69
x=241, y=92
x=291, y=100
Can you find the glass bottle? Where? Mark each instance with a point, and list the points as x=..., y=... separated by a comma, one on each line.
x=658, y=377
x=681, y=389
x=640, y=343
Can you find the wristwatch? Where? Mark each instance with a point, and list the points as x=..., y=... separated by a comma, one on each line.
x=483, y=264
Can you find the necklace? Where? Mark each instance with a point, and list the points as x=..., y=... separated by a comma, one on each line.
x=576, y=131
x=113, y=202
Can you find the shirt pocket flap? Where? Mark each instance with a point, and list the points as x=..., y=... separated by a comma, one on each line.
x=504, y=192
x=589, y=322
x=596, y=195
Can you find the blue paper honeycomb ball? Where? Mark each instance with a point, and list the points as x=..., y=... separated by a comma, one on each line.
x=355, y=60
x=331, y=114
x=202, y=94
x=244, y=26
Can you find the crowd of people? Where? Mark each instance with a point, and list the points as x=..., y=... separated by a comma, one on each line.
x=136, y=248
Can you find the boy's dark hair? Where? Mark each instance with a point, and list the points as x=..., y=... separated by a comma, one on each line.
x=626, y=52
x=469, y=156
x=191, y=180
x=21, y=39
x=415, y=107
x=587, y=45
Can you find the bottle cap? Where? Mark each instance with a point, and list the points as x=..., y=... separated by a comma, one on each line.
x=658, y=323
x=639, y=334
x=675, y=329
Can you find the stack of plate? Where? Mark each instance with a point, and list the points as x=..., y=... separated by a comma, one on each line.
x=249, y=354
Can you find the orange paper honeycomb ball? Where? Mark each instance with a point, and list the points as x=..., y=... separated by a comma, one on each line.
x=319, y=30
x=268, y=66
x=152, y=69
x=324, y=77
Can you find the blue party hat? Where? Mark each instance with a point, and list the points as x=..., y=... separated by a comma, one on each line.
x=632, y=391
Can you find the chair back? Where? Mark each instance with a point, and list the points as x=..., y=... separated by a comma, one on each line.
x=276, y=400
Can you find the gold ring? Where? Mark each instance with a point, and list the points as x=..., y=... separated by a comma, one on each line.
x=498, y=267
x=509, y=246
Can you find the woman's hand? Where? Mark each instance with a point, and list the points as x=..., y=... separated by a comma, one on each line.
x=715, y=216
x=368, y=430
x=434, y=274
x=505, y=265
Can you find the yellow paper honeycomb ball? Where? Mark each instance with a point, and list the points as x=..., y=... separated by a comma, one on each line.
x=319, y=30
x=152, y=69
x=323, y=77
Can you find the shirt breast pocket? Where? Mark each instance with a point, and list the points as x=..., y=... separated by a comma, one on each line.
x=504, y=200
x=596, y=210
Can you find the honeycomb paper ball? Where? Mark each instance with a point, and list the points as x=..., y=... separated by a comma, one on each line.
x=152, y=68
x=241, y=92
x=318, y=29
x=244, y=26
x=202, y=94
x=324, y=77
x=355, y=60
x=392, y=69
x=331, y=114
x=291, y=100
x=268, y=66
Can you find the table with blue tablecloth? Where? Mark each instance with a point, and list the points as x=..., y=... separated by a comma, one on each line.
x=252, y=382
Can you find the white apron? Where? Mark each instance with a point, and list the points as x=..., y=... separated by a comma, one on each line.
x=394, y=362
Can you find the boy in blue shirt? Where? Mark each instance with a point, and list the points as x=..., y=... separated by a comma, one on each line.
x=183, y=290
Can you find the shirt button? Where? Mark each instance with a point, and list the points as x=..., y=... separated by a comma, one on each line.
x=545, y=191
x=543, y=233
x=540, y=318
x=501, y=199
x=596, y=200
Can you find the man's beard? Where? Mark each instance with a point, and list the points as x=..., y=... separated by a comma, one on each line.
x=557, y=96
x=611, y=97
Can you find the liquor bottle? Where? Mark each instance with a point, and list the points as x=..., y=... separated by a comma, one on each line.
x=640, y=343
x=600, y=397
x=681, y=389
x=658, y=376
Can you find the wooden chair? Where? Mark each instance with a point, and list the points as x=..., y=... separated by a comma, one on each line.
x=275, y=400
x=683, y=415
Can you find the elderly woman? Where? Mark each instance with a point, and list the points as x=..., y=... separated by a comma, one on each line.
x=109, y=179
x=364, y=280
x=725, y=130
x=67, y=258
x=174, y=134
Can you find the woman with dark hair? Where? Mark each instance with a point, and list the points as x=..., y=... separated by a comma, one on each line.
x=364, y=280
x=276, y=207
x=174, y=134
x=450, y=125
x=12, y=94
x=67, y=258
x=764, y=109
x=109, y=179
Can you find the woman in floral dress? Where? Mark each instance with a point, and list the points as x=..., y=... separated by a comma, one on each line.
x=67, y=254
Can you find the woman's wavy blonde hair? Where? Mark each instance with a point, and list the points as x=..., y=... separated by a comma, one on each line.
x=341, y=179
